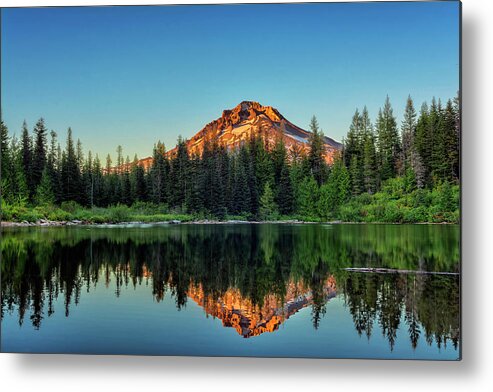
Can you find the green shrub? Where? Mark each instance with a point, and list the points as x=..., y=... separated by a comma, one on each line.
x=59, y=215
x=119, y=213
x=415, y=215
x=30, y=216
x=97, y=219
x=70, y=206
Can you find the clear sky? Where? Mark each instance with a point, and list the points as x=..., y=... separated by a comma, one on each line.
x=135, y=75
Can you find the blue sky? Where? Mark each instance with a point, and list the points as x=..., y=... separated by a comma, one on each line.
x=135, y=75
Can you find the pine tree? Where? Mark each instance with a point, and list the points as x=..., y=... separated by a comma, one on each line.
x=455, y=153
x=388, y=142
x=70, y=172
x=139, y=186
x=370, y=178
x=308, y=197
x=87, y=181
x=53, y=167
x=4, y=150
x=422, y=143
x=19, y=192
x=44, y=191
x=126, y=184
x=200, y=188
x=241, y=201
x=356, y=175
x=285, y=193
x=179, y=175
x=39, y=155
x=408, y=130
x=436, y=130
x=316, y=154
x=268, y=207
x=451, y=142
x=5, y=162
x=282, y=181
x=27, y=158
x=119, y=159
x=352, y=142
x=159, y=190
x=98, y=198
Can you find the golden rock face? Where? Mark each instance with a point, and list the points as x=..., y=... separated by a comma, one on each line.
x=247, y=119
x=249, y=319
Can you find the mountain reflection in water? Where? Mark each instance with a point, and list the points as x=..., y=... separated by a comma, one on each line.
x=251, y=277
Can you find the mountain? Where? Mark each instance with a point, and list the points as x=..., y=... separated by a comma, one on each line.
x=235, y=126
x=250, y=319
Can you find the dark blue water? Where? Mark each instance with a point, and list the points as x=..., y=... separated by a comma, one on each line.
x=232, y=290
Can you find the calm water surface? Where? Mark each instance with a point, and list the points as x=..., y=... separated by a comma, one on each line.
x=253, y=290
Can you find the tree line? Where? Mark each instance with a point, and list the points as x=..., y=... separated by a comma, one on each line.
x=256, y=180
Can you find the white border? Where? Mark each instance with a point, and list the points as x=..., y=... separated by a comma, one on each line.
x=474, y=373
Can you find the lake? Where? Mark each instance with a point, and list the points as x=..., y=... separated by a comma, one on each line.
x=274, y=290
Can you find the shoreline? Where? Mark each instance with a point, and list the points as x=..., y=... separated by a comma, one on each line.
x=48, y=223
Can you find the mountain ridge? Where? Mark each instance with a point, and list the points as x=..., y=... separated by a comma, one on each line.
x=236, y=126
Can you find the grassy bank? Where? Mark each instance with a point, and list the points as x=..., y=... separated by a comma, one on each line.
x=392, y=205
x=142, y=212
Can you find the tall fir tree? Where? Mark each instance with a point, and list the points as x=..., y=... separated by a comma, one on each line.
x=316, y=155
x=388, y=142
x=5, y=161
x=70, y=171
x=39, y=153
x=44, y=191
x=423, y=144
x=268, y=207
x=27, y=158
x=408, y=130
x=370, y=176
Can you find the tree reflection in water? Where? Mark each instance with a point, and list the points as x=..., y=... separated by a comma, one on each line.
x=252, y=277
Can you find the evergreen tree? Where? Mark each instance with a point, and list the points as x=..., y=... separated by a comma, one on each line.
x=284, y=192
x=436, y=130
x=370, y=178
x=4, y=150
x=450, y=167
x=352, y=142
x=98, y=197
x=365, y=125
x=159, y=190
x=408, y=130
x=241, y=201
x=70, y=172
x=18, y=189
x=316, y=154
x=87, y=180
x=27, y=158
x=422, y=144
x=268, y=207
x=180, y=174
x=356, y=174
x=200, y=188
x=388, y=142
x=263, y=163
x=139, y=186
x=455, y=151
x=53, y=166
x=44, y=191
x=39, y=154
x=308, y=197
x=5, y=162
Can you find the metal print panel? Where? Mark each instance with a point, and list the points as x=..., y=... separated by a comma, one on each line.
x=268, y=180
